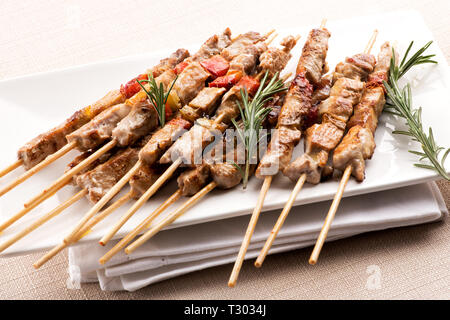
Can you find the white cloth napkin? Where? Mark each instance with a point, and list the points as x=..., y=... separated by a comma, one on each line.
x=179, y=251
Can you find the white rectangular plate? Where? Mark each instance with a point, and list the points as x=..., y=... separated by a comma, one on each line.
x=33, y=104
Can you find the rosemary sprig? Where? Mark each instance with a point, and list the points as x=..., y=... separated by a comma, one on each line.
x=253, y=114
x=157, y=96
x=399, y=103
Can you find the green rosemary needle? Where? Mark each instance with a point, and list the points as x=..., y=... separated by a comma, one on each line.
x=399, y=103
x=157, y=96
x=253, y=114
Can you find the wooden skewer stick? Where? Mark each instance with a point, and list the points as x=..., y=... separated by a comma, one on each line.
x=263, y=37
x=269, y=41
x=103, y=201
x=248, y=234
x=85, y=230
x=50, y=159
x=102, y=215
x=143, y=225
x=25, y=210
x=330, y=216
x=49, y=255
x=252, y=224
x=340, y=192
x=147, y=195
x=371, y=42
x=170, y=218
x=142, y=200
x=43, y=220
x=55, y=187
x=69, y=174
x=11, y=168
x=287, y=208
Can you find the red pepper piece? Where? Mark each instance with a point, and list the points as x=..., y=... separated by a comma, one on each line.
x=249, y=83
x=168, y=111
x=180, y=67
x=227, y=81
x=216, y=65
x=132, y=87
x=180, y=122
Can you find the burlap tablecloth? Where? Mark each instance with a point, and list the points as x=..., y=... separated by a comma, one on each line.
x=39, y=36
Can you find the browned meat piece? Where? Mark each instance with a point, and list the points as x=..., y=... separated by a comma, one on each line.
x=327, y=173
x=357, y=67
x=274, y=60
x=357, y=146
x=275, y=105
x=101, y=179
x=279, y=152
x=247, y=60
x=314, y=54
x=288, y=43
x=193, y=180
x=213, y=46
x=224, y=40
x=189, y=147
x=367, y=111
x=304, y=164
x=103, y=158
x=143, y=179
x=229, y=108
x=324, y=136
x=323, y=89
x=98, y=130
x=190, y=82
x=381, y=71
x=167, y=78
x=203, y=104
x=170, y=62
x=296, y=107
x=297, y=103
x=78, y=160
x=348, y=89
x=48, y=143
x=162, y=139
x=143, y=118
x=239, y=44
x=226, y=175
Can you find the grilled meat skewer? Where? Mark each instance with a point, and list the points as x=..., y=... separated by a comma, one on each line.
x=114, y=190
x=103, y=128
x=359, y=144
x=296, y=111
x=189, y=147
x=53, y=144
x=191, y=181
x=335, y=111
x=47, y=143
